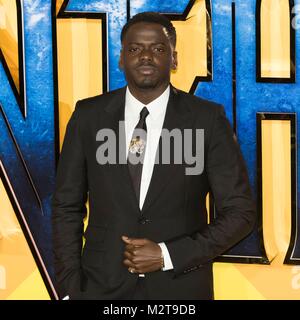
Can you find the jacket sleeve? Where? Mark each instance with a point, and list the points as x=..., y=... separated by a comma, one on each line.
x=69, y=209
x=228, y=179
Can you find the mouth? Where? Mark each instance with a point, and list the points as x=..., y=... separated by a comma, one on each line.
x=146, y=70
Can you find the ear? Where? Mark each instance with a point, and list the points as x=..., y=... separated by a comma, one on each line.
x=174, y=60
x=121, y=60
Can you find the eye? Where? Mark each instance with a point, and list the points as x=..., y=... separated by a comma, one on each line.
x=134, y=49
x=159, y=49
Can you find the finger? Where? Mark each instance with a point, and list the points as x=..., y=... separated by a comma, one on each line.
x=128, y=256
x=129, y=247
x=137, y=258
x=132, y=270
x=129, y=240
x=132, y=249
x=136, y=261
x=134, y=241
x=129, y=264
x=138, y=241
x=125, y=239
x=146, y=266
x=146, y=252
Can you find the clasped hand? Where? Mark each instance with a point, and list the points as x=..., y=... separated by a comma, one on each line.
x=141, y=255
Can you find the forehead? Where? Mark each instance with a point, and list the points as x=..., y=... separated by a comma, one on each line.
x=146, y=32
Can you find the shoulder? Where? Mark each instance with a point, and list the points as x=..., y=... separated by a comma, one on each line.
x=198, y=104
x=96, y=103
x=206, y=113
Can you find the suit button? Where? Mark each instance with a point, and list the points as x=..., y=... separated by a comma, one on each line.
x=144, y=220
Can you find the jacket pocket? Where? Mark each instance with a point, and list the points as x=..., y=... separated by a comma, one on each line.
x=94, y=248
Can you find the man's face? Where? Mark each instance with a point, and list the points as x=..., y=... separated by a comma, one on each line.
x=147, y=56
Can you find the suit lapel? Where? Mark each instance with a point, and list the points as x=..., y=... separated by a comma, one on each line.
x=177, y=116
x=119, y=172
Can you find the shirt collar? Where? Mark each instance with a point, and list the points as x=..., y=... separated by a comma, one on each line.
x=156, y=107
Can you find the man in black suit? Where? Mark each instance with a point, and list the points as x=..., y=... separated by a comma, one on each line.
x=148, y=235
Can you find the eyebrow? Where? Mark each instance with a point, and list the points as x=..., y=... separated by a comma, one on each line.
x=155, y=43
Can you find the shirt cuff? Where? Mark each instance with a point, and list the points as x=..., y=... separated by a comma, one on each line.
x=168, y=265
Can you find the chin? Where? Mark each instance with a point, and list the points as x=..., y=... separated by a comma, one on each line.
x=147, y=84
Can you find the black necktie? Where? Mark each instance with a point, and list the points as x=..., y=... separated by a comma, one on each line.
x=136, y=152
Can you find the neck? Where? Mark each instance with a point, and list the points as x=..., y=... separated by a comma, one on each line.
x=147, y=95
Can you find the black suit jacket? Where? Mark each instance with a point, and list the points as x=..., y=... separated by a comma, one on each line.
x=174, y=211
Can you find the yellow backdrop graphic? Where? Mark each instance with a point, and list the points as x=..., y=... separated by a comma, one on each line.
x=79, y=50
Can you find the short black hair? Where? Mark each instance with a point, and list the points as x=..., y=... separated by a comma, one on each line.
x=151, y=17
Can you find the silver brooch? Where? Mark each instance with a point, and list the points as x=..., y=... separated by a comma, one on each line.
x=137, y=145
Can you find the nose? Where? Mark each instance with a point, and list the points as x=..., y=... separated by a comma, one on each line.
x=146, y=55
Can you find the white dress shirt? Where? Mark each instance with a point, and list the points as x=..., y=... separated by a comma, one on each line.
x=154, y=122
